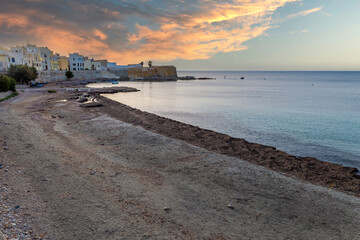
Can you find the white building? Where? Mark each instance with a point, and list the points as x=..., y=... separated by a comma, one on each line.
x=87, y=64
x=95, y=65
x=18, y=56
x=33, y=57
x=76, y=62
x=4, y=59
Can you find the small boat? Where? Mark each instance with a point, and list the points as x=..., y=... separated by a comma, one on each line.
x=114, y=83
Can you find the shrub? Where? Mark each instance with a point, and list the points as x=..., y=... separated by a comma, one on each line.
x=22, y=73
x=69, y=74
x=51, y=91
x=7, y=83
x=4, y=83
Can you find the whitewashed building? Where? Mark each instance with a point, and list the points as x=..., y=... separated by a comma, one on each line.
x=4, y=59
x=76, y=62
x=45, y=58
x=33, y=57
x=18, y=56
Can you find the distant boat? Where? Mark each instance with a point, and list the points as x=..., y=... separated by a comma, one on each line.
x=114, y=83
x=242, y=78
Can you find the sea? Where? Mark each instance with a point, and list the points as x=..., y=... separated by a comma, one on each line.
x=314, y=114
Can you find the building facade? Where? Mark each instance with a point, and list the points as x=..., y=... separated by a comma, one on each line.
x=54, y=61
x=4, y=59
x=76, y=62
x=18, y=56
x=95, y=65
x=63, y=63
x=33, y=57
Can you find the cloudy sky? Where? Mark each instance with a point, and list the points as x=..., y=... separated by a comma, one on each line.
x=193, y=34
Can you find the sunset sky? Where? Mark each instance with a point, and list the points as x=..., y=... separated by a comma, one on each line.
x=193, y=34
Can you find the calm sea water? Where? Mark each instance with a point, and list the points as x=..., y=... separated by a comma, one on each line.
x=303, y=113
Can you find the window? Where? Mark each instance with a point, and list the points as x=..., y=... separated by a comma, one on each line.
x=12, y=59
x=74, y=69
x=74, y=59
x=74, y=64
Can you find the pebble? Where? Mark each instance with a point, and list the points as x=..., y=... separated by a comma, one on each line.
x=6, y=170
x=6, y=148
x=166, y=209
x=230, y=206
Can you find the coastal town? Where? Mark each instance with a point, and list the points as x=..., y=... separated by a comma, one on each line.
x=51, y=66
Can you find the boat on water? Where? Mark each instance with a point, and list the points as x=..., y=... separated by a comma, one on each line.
x=114, y=83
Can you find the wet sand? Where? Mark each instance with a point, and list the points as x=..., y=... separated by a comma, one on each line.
x=98, y=173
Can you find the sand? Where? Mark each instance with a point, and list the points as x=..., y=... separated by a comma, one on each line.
x=99, y=173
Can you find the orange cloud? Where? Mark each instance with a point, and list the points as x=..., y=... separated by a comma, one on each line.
x=13, y=20
x=218, y=28
x=212, y=28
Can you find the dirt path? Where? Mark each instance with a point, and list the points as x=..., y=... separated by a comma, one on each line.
x=80, y=174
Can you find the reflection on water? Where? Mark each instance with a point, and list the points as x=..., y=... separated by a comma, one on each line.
x=306, y=113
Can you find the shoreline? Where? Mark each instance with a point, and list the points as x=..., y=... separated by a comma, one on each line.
x=326, y=174
x=71, y=172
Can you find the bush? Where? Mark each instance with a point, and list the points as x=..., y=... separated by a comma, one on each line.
x=7, y=83
x=22, y=73
x=51, y=91
x=4, y=84
x=69, y=74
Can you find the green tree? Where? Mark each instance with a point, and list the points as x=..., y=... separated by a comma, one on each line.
x=22, y=73
x=34, y=73
x=69, y=74
x=12, y=84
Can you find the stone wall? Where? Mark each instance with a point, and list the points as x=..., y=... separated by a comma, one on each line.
x=123, y=74
x=55, y=76
x=158, y=72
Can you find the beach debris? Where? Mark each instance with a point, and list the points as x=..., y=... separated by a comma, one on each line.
x=230, y=206
x=83, y=98
x=17, y=207
x=167, y=209
x=91, y=105
x=88, y=101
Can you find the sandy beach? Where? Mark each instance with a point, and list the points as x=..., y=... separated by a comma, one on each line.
x=114, y=172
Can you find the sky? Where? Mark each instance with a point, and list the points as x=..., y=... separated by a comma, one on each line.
x=271, y=35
